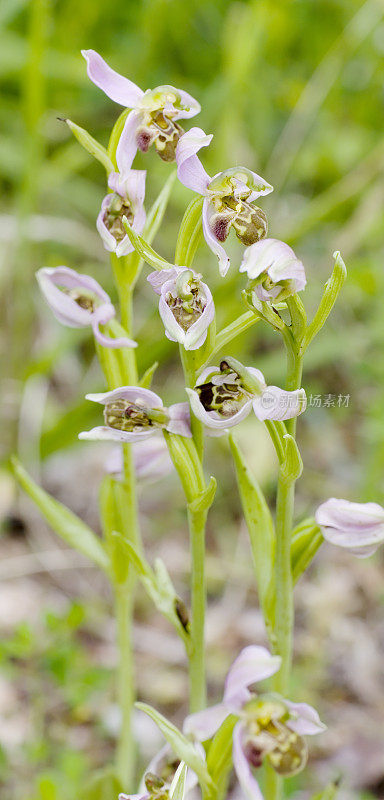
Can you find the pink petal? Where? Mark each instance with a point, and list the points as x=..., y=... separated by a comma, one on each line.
x=275, y=403
x=212, y=241
x=133, y=394
x=358, y=527
x=159, y=277
x=305, y=719
x=275, y=258
x=115, y=86
x=190, y=106
x=204, y=724
x=108, y=341
x=179, y=420
x=190, y=170
x=127, y=147
x=243, y=770
x=105, y=433
x=252, y=665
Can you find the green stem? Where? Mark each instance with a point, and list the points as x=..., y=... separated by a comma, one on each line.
x=284, y=607
x=125, y=755
x=124, y=273
x=197, y=683
x=187, y=358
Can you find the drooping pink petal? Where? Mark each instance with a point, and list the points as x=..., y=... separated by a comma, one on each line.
x=277, y=404
x=211, y=418
x=358, y=527
x=144, y=796
x=305, y=720
x=105, y=433
x=134, y=394
x=108, y=341
x=179, y=420
x=213, y=242
x=204, y=724
x=247, y=781
x=115, y=86
x=254, y=664
x=190, y=170
x=128, y=142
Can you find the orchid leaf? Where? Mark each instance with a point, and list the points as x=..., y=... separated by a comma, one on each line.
x=292, y=466
x=328, y=300
x=204, y=500
x=158, y=586
x=144, y=250
x=219, y=757
x=190, y=233
x=146, y=379
x=91, y=145
x=63, y=521
x=183, y=748
x=177, y=789
x=259, y=522
x=306, y=540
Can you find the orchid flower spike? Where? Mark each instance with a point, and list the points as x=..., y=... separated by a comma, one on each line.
x=225, y=395
x=78, y=301
x=150, y=457
x=125, y=200
x=186, y=305
x=268, y=727
x=132, y=414
x=228, y=197
x=273, y=270
x=358, y=527
x=154, y=115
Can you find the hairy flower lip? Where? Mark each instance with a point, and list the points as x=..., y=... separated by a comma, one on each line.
x=356, y=527
x=193, y=175
x=69, y=312
x=165, y=282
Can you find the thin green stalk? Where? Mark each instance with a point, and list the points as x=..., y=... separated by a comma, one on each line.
x=125, y=755
x=197, y=683
x=124, y=273
x=284, y=607
x=187, y=358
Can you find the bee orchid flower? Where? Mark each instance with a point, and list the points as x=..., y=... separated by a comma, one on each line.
x=126, y=199
x=228, y=197
x=154, y=114
x=273, y=270
x=133, y=414
x=357, y=527
x=186, y=305
x=268, y=726
x=78, y=301
x=223, y=396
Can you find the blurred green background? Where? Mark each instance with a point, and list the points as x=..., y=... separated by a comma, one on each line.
x=293, y=90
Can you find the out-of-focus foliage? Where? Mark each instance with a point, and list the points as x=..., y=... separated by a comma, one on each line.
x=293, y=90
